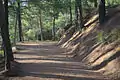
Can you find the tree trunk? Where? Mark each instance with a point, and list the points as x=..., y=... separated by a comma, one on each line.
x=53, y=29
x=102, y=11
x=15, y=25
x=41, y=25
x=76, y=14
x=5, y=33
x=19, y=23
x=95, y=3
x=80, y=14
x=70, y=8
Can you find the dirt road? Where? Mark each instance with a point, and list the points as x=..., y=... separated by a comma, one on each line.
x=46, y=61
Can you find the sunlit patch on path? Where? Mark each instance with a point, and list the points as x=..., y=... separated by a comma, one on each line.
x=47, y=62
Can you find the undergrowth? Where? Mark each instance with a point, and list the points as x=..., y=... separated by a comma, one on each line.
x=1, y=53
x=113, y=35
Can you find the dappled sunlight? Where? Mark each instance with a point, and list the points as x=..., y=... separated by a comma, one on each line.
x=29, y=43
x=92, y=19
x=60, y=39
x=104, y=57
x=40, y=61
x=69, y=74
x=44, y=63
x=73, y=37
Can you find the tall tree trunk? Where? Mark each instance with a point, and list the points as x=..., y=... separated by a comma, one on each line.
x=19, y=23
x=5, y=32
x=37, y=23
x=95, y=3
x=53, y=29
x=76, y=14
x=15, y=26
x=102, y=11
x=80, y=14
x=41, y=25
x=70, y=8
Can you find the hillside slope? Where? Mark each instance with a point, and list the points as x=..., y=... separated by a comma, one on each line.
x=98, y=46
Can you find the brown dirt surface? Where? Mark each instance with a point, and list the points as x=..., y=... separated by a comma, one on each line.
x=46, y=61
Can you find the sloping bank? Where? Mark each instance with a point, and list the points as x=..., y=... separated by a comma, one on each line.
x=97, y=46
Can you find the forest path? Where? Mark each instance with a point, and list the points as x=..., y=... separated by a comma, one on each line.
x=46, y=61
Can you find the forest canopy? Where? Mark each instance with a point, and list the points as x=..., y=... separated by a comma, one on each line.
x=41, y=19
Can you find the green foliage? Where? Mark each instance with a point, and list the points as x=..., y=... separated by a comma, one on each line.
x=112, y=2
x=49, y=8
x=100, y=37
x=30, y=34
x=112, y=36
x=1, y=52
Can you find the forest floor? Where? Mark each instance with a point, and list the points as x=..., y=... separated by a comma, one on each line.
x=47, y=61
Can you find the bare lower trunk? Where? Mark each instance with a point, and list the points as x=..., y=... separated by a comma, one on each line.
x=41, y=25
x=80, y=14
x=70, y=8
x=15, y=32
x=95, y=3
x=53, y=29
x=102, y=11
x=19, y=23
x=76, y=14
